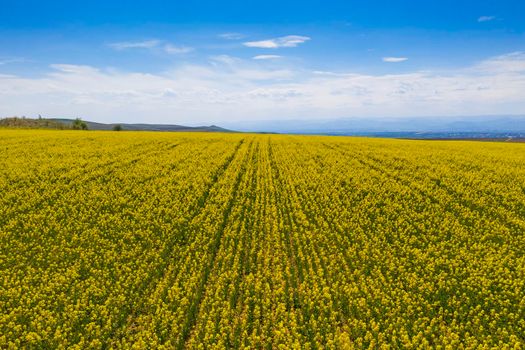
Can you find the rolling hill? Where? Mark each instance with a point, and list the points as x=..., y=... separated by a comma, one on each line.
x=62, y=123
x=146, y=127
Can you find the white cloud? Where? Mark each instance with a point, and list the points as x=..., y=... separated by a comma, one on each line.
x=73, y=68
x=229, y=67
x=232, y=36
x=486, y=18
x=266, y=57
x=147, y=44
x=511, y=62
x=150, y=45
x=225, y=59
x=172, y=49
x=394, y=59
x=285, y=41
x=235, y=89
x=9, y=60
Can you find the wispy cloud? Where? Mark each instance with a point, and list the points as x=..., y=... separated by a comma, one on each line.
x=508, y=63
x=332, y=74
x=236, y=89
x=284, y=41
x=486, y=18
x=146, y=44
x=8, y=60
x=394, y=59
x=172, y=49
x=73, y=69
x=153, y=44
x=225, y=59
x=232, y=36
x=266, y=57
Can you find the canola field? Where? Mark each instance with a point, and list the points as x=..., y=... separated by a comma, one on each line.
x=148, y=240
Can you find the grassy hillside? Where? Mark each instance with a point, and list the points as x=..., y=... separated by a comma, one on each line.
x=28, y=123
x=63, y=124
x=199, y=240
x=147, y=127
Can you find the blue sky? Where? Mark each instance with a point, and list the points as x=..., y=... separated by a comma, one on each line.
x=224, y=61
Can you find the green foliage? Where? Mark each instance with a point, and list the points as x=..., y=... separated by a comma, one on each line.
x=117, y=127
x=79, y=124
x=28, y=123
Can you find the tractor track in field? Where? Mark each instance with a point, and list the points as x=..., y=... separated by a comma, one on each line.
x=192, y=314
x=156, y=278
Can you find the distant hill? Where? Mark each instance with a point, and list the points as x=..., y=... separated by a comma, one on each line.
x=385, y=126
x=28, y=123
x=65, y=124
x=146, y=127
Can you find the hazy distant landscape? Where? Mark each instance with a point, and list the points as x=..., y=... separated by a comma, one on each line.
x=436, y=127
x=262, y=174
x=510, y=128
x=145, y=126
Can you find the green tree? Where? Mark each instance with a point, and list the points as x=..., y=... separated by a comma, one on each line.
x=79, y=124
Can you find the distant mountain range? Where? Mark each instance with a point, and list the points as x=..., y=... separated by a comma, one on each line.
x=384, y=126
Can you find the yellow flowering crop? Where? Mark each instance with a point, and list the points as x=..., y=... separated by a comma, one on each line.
x=144, y=240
